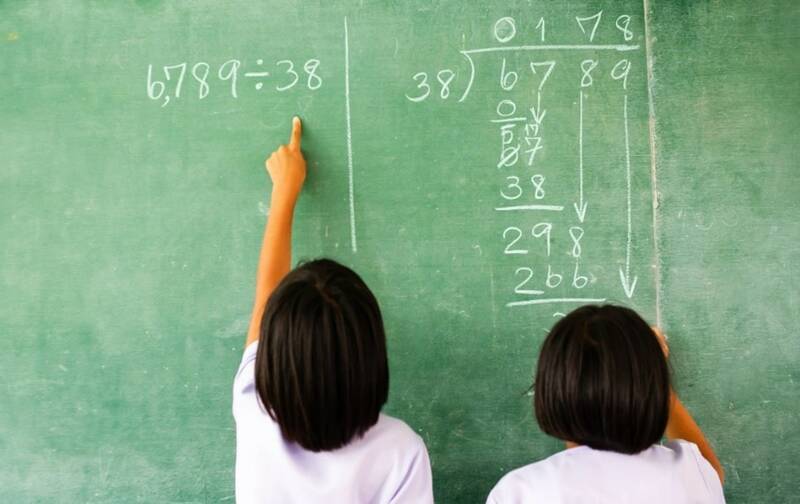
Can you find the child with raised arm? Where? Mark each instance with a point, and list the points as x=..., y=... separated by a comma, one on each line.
x=602, y=386
x=308, y=395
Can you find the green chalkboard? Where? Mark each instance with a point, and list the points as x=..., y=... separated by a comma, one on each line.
x=486, y=168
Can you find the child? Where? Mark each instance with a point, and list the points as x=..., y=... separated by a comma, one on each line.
x=602, y=385
x=314, y=376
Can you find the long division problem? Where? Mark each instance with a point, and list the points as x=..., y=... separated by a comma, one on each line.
x=557, y=103
x=544, y=207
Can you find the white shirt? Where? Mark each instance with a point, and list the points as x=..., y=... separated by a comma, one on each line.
x=389, y=464
x=673, y=473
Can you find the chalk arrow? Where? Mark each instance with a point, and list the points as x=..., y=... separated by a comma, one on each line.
x=538, y=112
x=580, y=206
x=628, y=284
x=580, y=209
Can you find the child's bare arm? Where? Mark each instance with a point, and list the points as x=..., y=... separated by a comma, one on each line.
x=681, y=425
x=287, y=169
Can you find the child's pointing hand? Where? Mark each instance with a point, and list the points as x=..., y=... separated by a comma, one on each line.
x=287, y=167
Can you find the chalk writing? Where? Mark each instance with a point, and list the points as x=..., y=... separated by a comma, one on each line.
x=552, y=260
x=169, y=83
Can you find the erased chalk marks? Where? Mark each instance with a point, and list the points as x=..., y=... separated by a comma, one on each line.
x=237, y=328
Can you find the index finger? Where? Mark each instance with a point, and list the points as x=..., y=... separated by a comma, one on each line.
x=297, y=131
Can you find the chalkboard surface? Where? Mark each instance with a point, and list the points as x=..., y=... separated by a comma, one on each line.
x=485, y=168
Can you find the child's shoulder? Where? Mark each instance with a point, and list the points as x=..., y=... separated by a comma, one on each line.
x=536, y=479
x=600, y=470
x=392, y=440
x=391, y=430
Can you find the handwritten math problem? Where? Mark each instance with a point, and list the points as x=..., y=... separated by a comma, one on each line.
x=546, y=238
x=545, y=88
x=170, y=82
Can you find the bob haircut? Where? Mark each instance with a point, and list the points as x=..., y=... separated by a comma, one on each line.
x=603, y=381
x=321, y=368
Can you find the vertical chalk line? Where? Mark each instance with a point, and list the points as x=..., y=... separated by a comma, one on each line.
x=353, y=243
x=648, y=45
x=580, y=206
x=628, y=285
x=580, y=149
x=628, y=181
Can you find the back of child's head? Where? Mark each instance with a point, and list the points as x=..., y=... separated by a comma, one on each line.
x=321, y=367
x=603, y=381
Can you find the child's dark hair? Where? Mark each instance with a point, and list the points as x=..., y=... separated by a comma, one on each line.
x=321, y=368
x=603, y=381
